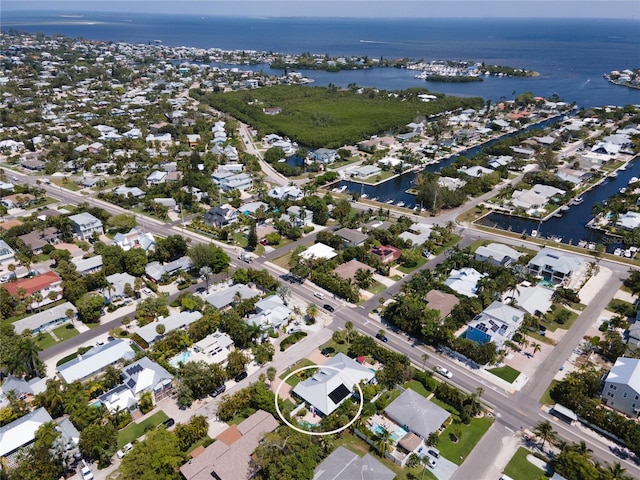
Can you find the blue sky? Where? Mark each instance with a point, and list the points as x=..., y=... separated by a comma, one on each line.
x=353, y=8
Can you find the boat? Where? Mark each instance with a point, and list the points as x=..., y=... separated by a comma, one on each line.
x=633, y=180
x=564, y=208
x=558, y=214
x=622, y=190
x=577, y=200
x=618, y=252
x=364, y=195
x=623, y=168
x=628, y=253
x=613, y=174
x=157, y=41
x=400, y=204
x=389, y=202
x=534, y=233
x=556, y=239
x=282, y=160
x=374, y=199
x=582, y=244
x=591, y=246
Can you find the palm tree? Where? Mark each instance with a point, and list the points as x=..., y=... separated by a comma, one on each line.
x=205, y=273
x=616, y=472
x=348, y=326
x=536, y=348
x=544, y=430
x=312, y=312
x=383, y=442
x=425, y=357
x=37, y=298
x=271, y=374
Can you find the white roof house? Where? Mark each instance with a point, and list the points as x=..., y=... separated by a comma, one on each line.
x=534, y=299
x=497, y=323
x=464, y=281
x=319, y=251
x=343, y=464
x=271, y=312
x=7, y=254
x=135, y=238
x=416, y=413
x=22, y=388
x=629, y=220
x=421, y=235
x=536, y=197
x=216, y=347
x=497, y=254
x=286, y=193
x=328, y=388
x=22, y=432
x=172, y=322
x=85, y=266
x=118, y=282
x=225, y=297
x=555, y=265
x=95, y=360
x=46, y=319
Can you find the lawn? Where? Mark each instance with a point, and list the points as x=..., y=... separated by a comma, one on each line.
x=65, y=332
x=470, y=435
x=520, y=468
x=45, y=340
x=377, y=288
x=283, y=261
x=337, y=347
x=550, y=319
x=506, y=373
x=546, y=396
x=377, y=178
x=295, y=379
x=135, y=430
x=416, y=386
x=421, y=261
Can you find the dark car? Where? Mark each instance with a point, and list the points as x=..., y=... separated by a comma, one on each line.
x=169, y=422
x=218, y=391
x=240, y=377
x=328, y=307
x=382, y=337
x=110, y=338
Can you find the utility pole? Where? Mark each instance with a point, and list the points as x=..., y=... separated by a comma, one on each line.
x=435, y=197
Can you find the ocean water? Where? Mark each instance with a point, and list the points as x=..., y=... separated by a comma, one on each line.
x=571, y=55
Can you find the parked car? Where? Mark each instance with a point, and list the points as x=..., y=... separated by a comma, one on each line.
x=124, y=450
x=430, y=461
x=147, y=291
x=218, y=391
x=240, y=377
x=319, y=295
x=110, y=338
x=434, y=452
x=86, y=472
x=328, y=308
x=382, y=337
x=443, y=371
x=169, y=422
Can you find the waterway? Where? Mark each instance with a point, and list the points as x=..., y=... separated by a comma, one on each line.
x=571, y=227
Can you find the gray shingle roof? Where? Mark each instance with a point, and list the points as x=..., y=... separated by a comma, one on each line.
x=416, y=413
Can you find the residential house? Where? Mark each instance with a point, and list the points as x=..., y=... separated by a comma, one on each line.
x=605, y=148
x=135, y=239
x=226, y=297
x=501, y=161
x=85, y=225
x=37, y=239
x=155, y=271
x=555, y=265
x=173, y=322
x=221, y=216
x=156, y=177
x=44, y=284
x=229, y=457
x=416, y=414
x=7, y=254
x=365, y=171
x=271, y=110
x=21, y=433
x=497, y=254
x=348, y=269
x=159, y=137
x=464, y=281
x=451, y=183
x=324, y=155
x=351, y=238
x=632, y=335
x=18, y=200
x=170, y=203
x=216, y=346
x=533, y=299
x=117, y=285
x=535, y=198
x=318, y=251
x=386, y=253
x=271, y=312
x=135, y=192
x=571, y=175
x=343, y=464
x=497, y=323
x=522, y=152
x=193, y=139
x=139, y=377
x=24, y=390
x=241, y=182
x=290, y=192
x=628, y=221
x=329, y=387
x=475, y=171
x=88, y=182
x=298, y=216
x=85, y=266
x=441, y=301
x=94, y=361
x=622, y=387
x=417, y=234
x=249, y=209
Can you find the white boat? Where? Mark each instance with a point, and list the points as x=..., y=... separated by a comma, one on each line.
x=389, y=202
x=534, y=233
x=282, y=160
x=582, y=244
x=556, y=239
x=613, y=174
x=618, y=252
x=400, y=204
x=591, y=246
x=628, y=253
x=622, y=190
x=577, y=200
x=633, y=180
x=364, y=195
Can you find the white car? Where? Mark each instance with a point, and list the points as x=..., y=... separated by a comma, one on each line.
x=429, y=461
x=443, y=371
x=86, y=472
x=124, y=450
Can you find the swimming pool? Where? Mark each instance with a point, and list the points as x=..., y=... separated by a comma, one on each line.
x=181, y=357
x=397, y=434
x=546, y=283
